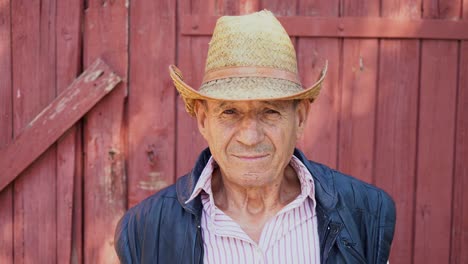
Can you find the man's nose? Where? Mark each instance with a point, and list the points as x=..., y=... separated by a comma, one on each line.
x=250, y=131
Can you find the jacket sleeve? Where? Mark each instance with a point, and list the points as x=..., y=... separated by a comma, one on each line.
x=386, y=227
x=126, y=239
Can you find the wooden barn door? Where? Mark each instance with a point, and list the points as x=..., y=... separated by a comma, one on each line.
x=39, y=57
x=392, y=112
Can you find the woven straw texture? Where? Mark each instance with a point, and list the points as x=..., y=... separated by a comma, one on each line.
x=255, y=40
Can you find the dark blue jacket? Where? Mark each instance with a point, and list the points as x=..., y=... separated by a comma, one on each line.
x=356, y=221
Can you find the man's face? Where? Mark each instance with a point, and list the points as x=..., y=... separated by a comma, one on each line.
x=252, y=141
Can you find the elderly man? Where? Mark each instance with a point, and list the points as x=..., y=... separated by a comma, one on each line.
x=252, y=197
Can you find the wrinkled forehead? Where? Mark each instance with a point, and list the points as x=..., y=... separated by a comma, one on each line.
x=251, y=104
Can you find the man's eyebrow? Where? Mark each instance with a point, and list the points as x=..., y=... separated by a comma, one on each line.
x=276, y=104
x=220, y=105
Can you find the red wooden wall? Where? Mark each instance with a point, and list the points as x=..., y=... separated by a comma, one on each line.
x=392, y=112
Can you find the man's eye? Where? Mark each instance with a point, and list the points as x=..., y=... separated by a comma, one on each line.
x=229, y=112
x=271, y=112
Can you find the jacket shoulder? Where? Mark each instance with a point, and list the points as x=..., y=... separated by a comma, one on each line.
x=369, y=212
x=356, y=193
x=139, y=221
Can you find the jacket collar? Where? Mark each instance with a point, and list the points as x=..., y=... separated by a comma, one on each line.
x=186, y=184
x=324, y=186
x=325, y=192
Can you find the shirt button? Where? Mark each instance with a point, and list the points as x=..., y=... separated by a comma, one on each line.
x=258, y=255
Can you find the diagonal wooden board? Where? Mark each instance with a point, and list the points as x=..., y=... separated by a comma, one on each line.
x=74, y=102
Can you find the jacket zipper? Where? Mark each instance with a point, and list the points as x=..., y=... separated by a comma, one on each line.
x=199, y=242
x=349, y=247
x=329, y=239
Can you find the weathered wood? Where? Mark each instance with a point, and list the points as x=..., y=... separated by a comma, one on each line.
x=55, y=119
x=437, y=107
x=459, y=232
x=77, y=216
x=105, y=194
x=459, y=254
x=396, y=136
x=33, y=71
x=191, y=58
x=278, y=7
x=6, y=225
x=435, y=151
x=6, y=129
x=65, y=192
x=6, y=99
x=464, y=14
x=151, y=104
x=223, y=7
x=349, y=27
x=321, y=133
x=69, y=21
x=442, y=9
x=396, y=125
x=359, y=89
x=248, y=6
x=359, y=92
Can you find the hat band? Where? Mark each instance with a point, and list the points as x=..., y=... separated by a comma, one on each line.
x=245, y=71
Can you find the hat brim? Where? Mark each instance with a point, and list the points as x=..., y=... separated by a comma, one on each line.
x=190, y=95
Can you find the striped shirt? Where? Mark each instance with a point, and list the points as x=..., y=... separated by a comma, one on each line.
x=289, y=237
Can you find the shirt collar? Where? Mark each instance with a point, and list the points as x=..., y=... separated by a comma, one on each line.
x=204, y=182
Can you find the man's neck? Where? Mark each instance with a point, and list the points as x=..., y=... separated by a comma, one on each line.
x=229, y=196
x=251, y=208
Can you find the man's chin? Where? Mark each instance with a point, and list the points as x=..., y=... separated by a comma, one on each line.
x=253, y=179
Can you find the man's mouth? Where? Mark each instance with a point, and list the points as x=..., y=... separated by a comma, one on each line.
x=251, y=157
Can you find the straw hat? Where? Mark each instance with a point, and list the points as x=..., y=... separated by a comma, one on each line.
x=250, y=57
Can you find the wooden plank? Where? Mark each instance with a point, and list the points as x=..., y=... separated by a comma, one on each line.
x=55, y=119
x=105, y=195
x=68, y=39
x=395, y=150
x=77, y=220
x=321, y=133
x=228, y=7
x=33, y=72
x=465, y=9
x=215, y=7
x=248, y=6
x=438, y=91
x=6, y=225
x=6, y=129
x=348, y=27
x=460, y=196
x=396, y=125
x=435, y=156
x=359, y=94
x=151, y=104
x=191, y=56
x=6, y=114
x=279, y=8
x=459, y=244
x=442, y=9
x=65, y=192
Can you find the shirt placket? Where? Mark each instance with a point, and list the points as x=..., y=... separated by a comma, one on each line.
x=259, y=255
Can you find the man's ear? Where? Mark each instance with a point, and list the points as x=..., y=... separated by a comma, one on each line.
x=200, y=110
x=302, y=111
